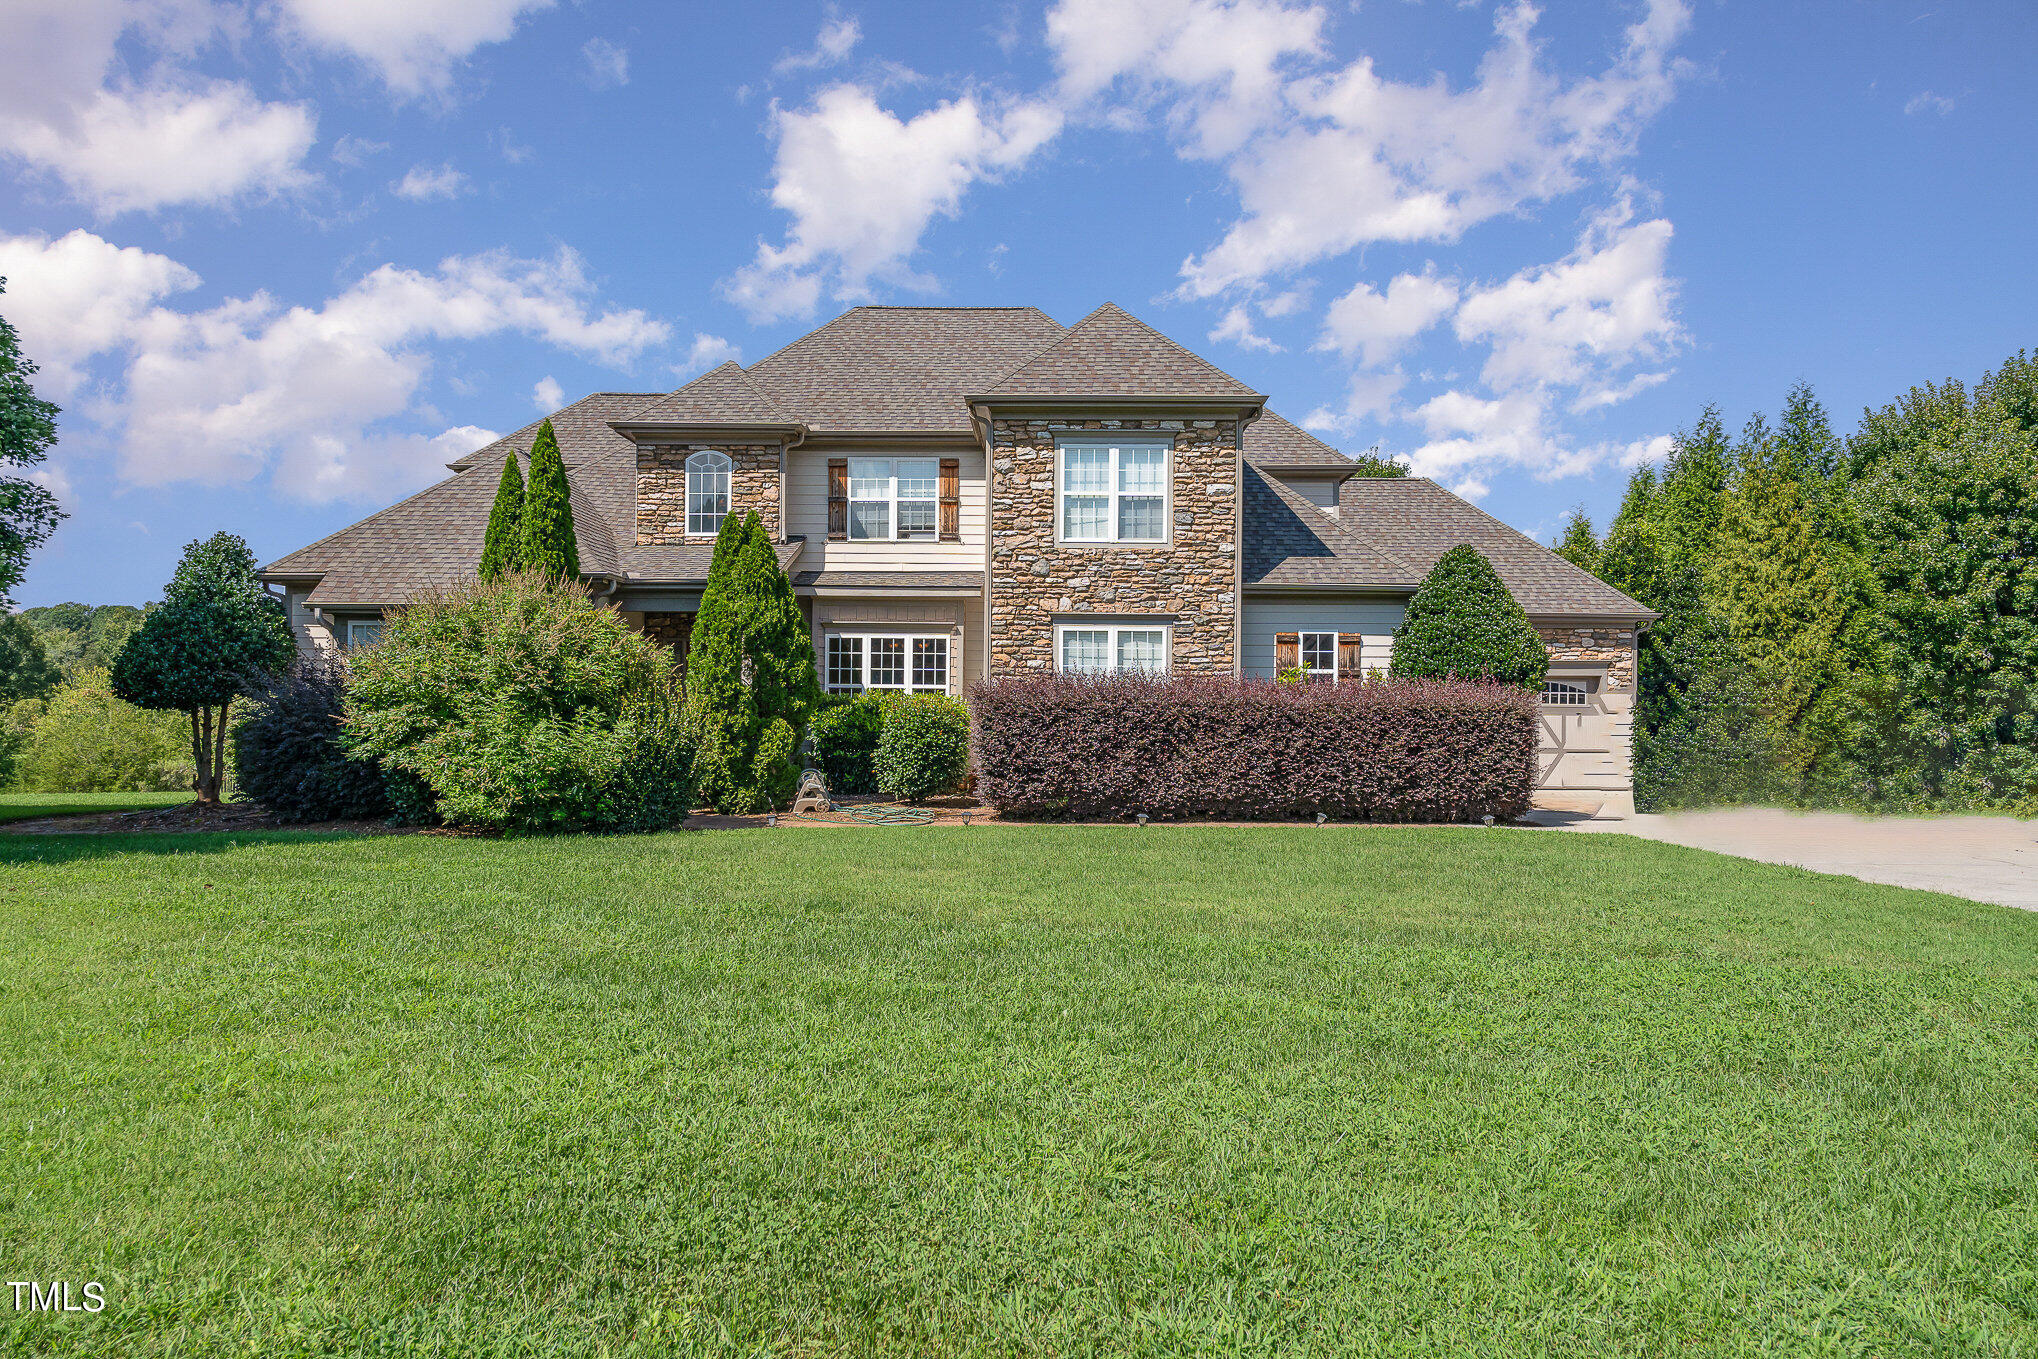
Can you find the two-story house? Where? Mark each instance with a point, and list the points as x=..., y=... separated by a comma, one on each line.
x=967, y=492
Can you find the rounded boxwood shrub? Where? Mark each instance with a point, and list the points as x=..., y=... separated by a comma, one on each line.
x=845, y=734
x=288, y=755
x=1464, y=624
x=520, y=705
x=924, y=747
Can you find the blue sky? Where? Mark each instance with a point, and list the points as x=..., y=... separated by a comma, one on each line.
x=281, y=261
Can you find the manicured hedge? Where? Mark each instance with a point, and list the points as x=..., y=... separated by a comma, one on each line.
x=1385, y=750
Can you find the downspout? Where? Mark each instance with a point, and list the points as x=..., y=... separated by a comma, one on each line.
x=980, y=417
x=1238, y=546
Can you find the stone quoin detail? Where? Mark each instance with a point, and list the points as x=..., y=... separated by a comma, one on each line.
x=1192, y=579
x=1611, y=645
x=661, y=488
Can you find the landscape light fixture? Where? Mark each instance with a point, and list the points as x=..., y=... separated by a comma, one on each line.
x=1321, y=818
x=1140, y=817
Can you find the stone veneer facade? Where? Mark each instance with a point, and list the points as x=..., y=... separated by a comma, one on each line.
x=1612, y=645
x=1037, y=581
x=661, y=488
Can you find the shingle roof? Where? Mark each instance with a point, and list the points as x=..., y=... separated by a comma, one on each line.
x=1272, y=441
x=582, y=429
x=900, y=369
x=1290, y=542
x=1109, y=353
x=1418, y=521
x=724, y=396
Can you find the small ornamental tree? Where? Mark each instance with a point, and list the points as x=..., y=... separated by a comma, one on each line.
x=1463, y=624
x=28, y=428
x=215, y=630
x=750, y=678
x=502, y=548
x=548, y=543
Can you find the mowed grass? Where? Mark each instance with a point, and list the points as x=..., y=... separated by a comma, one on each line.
x=28, y=806
x=998, y=1090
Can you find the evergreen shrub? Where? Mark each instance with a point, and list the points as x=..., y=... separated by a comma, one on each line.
x=923, y=748
x=522, y=706
x=1464, y=624
x=845, y=734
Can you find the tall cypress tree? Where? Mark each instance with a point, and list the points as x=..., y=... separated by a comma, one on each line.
x=1774, y=582
x=750, y=677
x=1578, y=544
x=502, y=547
x=1686, y=508
x=548, y=543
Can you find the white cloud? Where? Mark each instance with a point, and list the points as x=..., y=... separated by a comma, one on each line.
x=125, y=136
x=1927, y=102
x=78, y=296
x=1368, y=397
x=833, y=44
x=708, y=351
x=1377, y=326
x=1471, y=436
x=862, y=186
x=1324, y=163
x=355, y=152
x=306, y=393
x=422, y=183
x=1236, y=325
x=414, y=45
x=607, y=63
x=1215, y=66
x=1605, y=306
x=547, y=395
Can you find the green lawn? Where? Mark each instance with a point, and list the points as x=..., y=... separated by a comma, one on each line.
x=27, y=806
x=1001, y=1090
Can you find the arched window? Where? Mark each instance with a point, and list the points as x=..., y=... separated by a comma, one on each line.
x=707, y=492
x=1559, y=694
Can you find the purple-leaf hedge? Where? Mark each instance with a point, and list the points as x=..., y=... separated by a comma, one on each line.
x=1085, y=747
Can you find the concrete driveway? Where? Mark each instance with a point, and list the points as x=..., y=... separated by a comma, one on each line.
x=1985, y=858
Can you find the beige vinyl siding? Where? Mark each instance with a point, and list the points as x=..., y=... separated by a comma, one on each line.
x=1375, y=619
x=313, y=635
x=923, y=616
x=807, y=516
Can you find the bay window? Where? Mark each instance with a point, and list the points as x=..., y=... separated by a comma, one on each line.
x=1112, y=490
x=856, y=661
x=1111, y=648
x=894, y=498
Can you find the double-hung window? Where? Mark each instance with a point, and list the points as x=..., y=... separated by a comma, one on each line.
x=363, y=632
x=1113, y=490
x=707, y=492
x=1111, y=648
x=894, y=498
x=1319, y=656
x=856, y=661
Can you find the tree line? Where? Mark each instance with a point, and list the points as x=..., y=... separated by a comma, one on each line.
x=1847, y=622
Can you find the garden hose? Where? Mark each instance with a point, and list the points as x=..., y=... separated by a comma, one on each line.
x=872, y=814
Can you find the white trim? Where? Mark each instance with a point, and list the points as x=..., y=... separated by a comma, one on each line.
x=950, y=646
x=1113, y=628
x=1302, y=653
x=891, y=500
x=1114, y=444
x=728, y=474
x=376, y=623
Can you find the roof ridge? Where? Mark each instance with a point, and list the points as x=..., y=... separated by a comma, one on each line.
x=742, y=376
x=1068, y=333
x=1203, y=369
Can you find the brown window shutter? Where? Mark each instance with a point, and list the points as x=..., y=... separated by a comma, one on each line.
x=1287, y=650
x=838, y=499
x=1351, y=657
x=951, y=500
